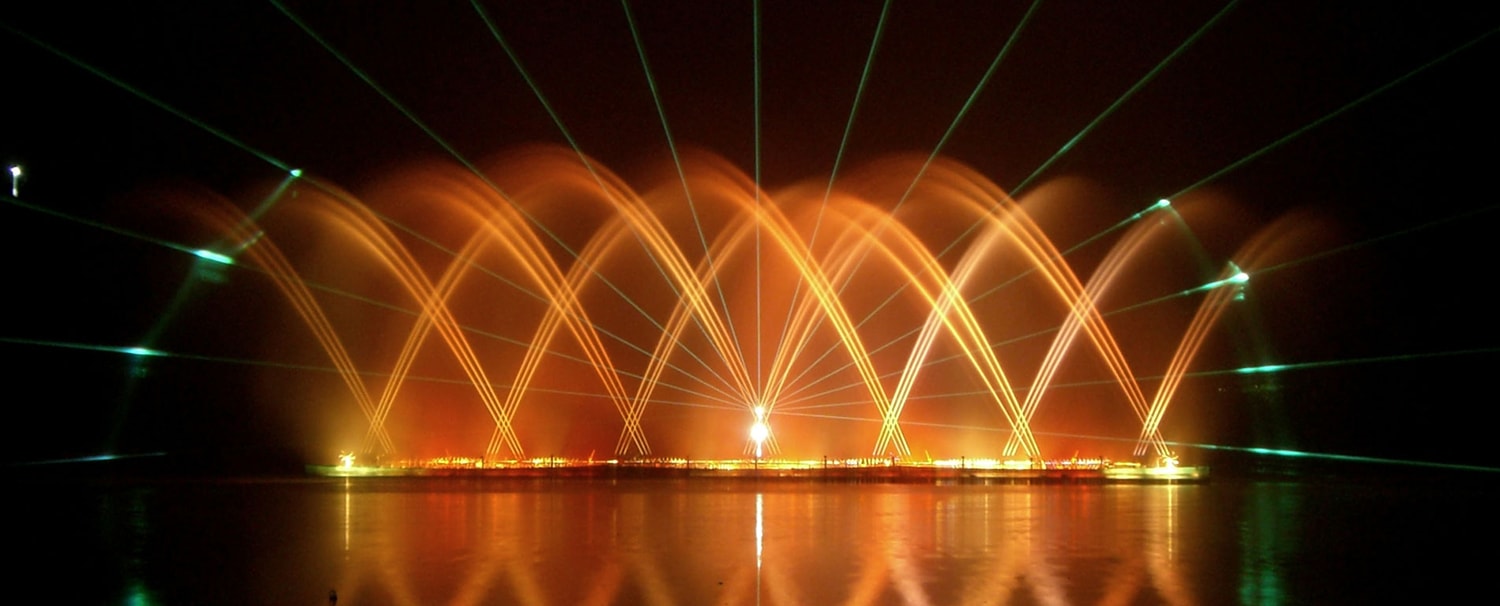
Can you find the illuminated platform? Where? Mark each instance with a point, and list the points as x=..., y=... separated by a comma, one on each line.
x=842, y=470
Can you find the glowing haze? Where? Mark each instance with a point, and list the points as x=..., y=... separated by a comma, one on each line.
x=543, y=306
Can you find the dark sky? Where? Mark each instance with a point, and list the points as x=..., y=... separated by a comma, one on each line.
x=1375, y=181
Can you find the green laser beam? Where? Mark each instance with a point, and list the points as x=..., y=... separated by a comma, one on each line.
x=1151, y=75
x=200, y=253
x=1378, y=239
x=567, y=135
x=759, y=331
x=267, y=157
x=1328, y=456
x=963, y=111
x=1333, y=114
x=138, y=93
x=687, y=192
x=139, y=352
x=483, y=178
x=859, y=94
x=932, y=157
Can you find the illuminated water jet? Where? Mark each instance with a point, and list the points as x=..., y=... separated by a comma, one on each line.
x=619, y=287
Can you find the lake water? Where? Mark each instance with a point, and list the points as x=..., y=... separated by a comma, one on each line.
x=691, y=542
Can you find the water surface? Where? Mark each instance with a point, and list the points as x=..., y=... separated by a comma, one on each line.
x=471, y=541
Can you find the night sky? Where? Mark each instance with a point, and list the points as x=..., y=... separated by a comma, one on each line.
x=1358, y=142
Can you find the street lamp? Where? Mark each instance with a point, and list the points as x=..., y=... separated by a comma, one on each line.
x=15, y=179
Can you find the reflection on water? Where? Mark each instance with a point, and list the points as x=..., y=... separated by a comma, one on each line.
x=686, y=543
x=1268, y=530
x=760, y=536
x=415, y=541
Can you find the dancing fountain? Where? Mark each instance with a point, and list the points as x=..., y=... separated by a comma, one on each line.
x=553, y=284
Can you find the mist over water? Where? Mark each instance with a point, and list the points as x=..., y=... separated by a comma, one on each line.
x=458, y=541
x=913, y=310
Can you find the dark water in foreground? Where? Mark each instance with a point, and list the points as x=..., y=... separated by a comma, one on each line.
x=456, y=541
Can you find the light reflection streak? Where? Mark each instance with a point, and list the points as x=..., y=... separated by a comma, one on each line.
x=994, y=579
x=139, y=529
x=760, y=537
x=1038, y=563
x=1157, y=559
x=347, y=482
x=1269, y=531
x=899, y=554
x=498, y=557
x=642, y=561
x=960, y=544
x=1166, y=571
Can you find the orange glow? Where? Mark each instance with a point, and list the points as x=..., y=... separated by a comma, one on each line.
x=586, y=294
